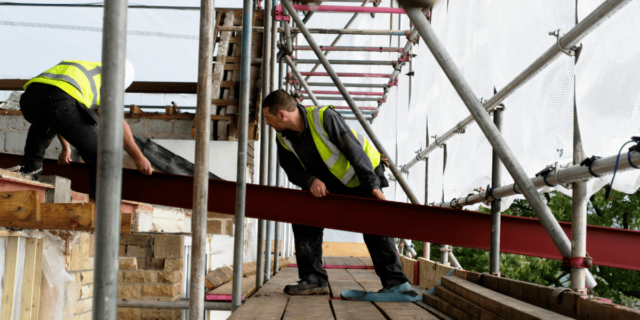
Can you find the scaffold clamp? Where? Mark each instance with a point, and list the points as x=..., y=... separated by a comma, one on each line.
x=279, y=15
x=577, y=262
x=570, y=52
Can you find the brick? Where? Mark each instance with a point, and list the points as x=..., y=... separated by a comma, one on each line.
x=140, y=276
x=156, y=264
x=171, y=277
x=122, y=250
x=130, y=291
x=129, y=314
x=86, y=291
x=144, y=263
x=4, y=121
x=14, y=142
x=172, y=264
x=128, y=263
x=137, y=251
x=92, y=244
x=17, y=123
x=137, y=126
x=83, y=316
x=86, y=277
x=161, y=314
x=80, y=253
x=83, y=305
x=137, y=239
x=168, y=246
x=161, y=290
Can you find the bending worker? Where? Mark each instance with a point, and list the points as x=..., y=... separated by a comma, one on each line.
x=58, y=102
x=320, y=153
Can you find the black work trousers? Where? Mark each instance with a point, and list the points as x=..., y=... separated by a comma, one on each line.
x=308, y=243
x=52, y=111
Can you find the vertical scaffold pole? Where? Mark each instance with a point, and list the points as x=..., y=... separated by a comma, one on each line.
x=578, y=212
x=496, y=182
x=478, y=112
x=264, y=138
x=201, y=172
x=426, y=246
x=241, y=175
x=109, y=175
x=352, y=104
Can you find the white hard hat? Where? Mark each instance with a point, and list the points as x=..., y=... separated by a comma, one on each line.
x=129, y=74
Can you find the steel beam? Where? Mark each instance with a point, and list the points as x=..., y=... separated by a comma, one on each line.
x=350, y=49
x=109, y=173
x=351, y=102
x=498, y=143
x=570, y=40
x=349, y=62
x=241, y=175
x=365, y=32
x=362, y=9
x=348, y=74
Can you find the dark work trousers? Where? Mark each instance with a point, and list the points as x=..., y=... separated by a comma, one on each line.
x=308, y=242
x=52, y=111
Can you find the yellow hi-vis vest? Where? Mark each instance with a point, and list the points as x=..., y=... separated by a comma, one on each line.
x=330, y=154
x=79, y=79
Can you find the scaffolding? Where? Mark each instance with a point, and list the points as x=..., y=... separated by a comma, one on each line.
x=276, y=54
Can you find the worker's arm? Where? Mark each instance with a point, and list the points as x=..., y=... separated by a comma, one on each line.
x=294, y=170
x=130, y=146
x=340, y=134
x=65, y=154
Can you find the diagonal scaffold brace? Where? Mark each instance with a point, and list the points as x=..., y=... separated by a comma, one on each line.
x=352, y=104
x=494, y=136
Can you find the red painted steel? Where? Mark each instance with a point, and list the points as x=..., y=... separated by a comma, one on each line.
x=303, y=7
x=609, y=247
x=346, y=48
x=354, y=93
x=345, y=74
x=348, y=108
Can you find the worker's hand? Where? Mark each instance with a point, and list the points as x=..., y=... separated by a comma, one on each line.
x=318, y=189
x=376, y=193
x=144, y=166
x=65, y=156
x=385, y=161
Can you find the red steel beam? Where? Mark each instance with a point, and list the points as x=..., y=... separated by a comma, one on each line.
x=347, y=48
x=353, y=93
x=609, y=247
x=303, y=7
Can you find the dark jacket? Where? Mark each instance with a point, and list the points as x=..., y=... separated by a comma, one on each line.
x=340, y=134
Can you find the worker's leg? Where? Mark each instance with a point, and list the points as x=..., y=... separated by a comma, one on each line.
x=35, y=105
x=38, y=139
x=308, y=242
x=385, y=260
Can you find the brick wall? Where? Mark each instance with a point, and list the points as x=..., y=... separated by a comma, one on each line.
x=150, y=269
x=80, y=267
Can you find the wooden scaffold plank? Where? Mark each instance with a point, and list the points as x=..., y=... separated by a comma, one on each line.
x=10, y=279
x=356, y=310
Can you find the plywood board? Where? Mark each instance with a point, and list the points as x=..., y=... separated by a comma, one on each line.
x=427, y=273
x=9, y=282
x=224, y=292
x=28, y=278
x=334, y=263
x=308, y=307
x=356, y=310
x=337, y=286
x=367, y=262
x=258, y=308
x=354, y=263
x=404, y=310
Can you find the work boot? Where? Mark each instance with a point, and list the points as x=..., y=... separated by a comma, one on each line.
x=306, y=288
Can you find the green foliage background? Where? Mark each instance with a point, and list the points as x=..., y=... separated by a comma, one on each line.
x=620, y=211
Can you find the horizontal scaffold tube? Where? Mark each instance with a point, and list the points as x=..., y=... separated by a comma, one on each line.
x=353, y=85
x=303, y=7
x=348, y=108
x=347, y=48
x=181, y=304
x=347, y=74
x=349, y=62
x=341, y=98
x=568, y=41
x=603, y=166
x=357, y=93
x=324, y=31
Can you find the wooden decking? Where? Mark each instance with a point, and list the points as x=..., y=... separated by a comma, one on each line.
x=344, y=273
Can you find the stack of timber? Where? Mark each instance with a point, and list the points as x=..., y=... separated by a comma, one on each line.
x=227, y=76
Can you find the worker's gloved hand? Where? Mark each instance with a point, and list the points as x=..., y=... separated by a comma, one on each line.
x=144, y=166
x=376, y=193
x=318, y=189
x=64, y=157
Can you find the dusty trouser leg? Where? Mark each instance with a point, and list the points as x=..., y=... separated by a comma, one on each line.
x=308, y=242
x=385, y=260
x=38, y=140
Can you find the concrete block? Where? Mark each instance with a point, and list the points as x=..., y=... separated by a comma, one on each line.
x=161, y=290
x=172, y=264
x=168, y=246
x=170, y=277
x=15, y=141
x=160, y=126
x=130, y=291
x=137, y=251
x=220, y=226
x=4, y=122
x=137, y=126
x=17, y=123
x=53, y=151
x=26, y=125
x=2, y=136
x=140, y=276
x=61, y=193
x=182, y=128
x=128, y=263
x=137, y=239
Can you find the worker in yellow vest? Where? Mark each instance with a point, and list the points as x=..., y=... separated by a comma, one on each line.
x=59, y=102
x=320, y=153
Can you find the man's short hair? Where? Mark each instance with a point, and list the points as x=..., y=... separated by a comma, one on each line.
x=279, y=100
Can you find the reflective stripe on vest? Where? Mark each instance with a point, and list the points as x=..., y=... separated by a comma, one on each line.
x=89, y=99
x=315, y=116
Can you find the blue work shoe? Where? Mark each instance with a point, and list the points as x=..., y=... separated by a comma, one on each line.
x=400, y=293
